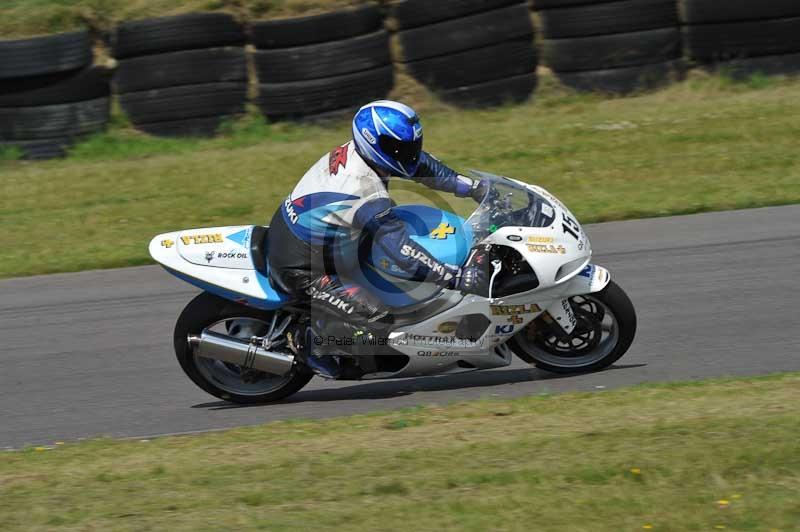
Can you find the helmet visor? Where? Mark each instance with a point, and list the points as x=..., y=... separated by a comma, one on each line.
x=404, y=152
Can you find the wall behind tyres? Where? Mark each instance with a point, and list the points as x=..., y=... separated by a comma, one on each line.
x=185, y=75
x=315, y=65
x=50, y=94
x=470, y=53
x=617, y=46
x=743, y=36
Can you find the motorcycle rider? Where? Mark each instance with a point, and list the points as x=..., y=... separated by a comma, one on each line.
x=344, y=195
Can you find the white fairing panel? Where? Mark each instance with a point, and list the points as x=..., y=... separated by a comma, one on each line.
x=224, y=247
x=216, y=259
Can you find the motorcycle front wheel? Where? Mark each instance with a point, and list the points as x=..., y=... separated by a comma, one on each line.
x=605, y=330
x=222, y=379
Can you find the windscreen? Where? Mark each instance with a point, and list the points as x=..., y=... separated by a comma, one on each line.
x=507, y=204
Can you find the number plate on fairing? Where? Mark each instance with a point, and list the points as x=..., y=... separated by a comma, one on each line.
x=220, y=247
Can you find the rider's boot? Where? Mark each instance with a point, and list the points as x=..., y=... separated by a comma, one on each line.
x=316, y=357
x=314, y=342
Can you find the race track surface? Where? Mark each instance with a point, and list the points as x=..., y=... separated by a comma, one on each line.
x=90, y=354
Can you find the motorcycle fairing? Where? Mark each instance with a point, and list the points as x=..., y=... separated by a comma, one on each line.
x=443, y=234
x=431, y=347
x=230, y=273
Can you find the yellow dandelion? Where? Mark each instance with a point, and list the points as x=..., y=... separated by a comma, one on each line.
x=647, y=527
x=723, y=502
x=636, y=471
x=736, y=496
x=720, y=527
x=39, y=449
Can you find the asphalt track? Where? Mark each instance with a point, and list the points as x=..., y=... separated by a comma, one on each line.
x=90, y=354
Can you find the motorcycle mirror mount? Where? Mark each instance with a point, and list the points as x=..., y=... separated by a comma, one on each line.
x=497, y=265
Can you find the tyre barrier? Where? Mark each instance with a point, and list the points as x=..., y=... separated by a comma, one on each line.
x=470, y=53
x=310, y=66
x=50, y=95
x=181, y=75
x=184, y=75
x=743, y=37
x=614, y=46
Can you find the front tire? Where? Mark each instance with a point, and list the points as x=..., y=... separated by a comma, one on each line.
x=606, y=329
x=224, y=380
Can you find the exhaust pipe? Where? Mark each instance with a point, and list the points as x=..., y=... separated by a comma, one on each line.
x=250, y=355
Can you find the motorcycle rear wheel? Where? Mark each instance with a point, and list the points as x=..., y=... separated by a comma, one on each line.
x=606, y=329
x=221, y=379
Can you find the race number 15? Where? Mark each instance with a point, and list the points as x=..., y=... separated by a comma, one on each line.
x=570, y=226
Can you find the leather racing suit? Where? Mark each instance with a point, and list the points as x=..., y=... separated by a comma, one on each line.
x=342, y=197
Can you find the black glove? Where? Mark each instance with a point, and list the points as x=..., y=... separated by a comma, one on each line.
x=479, y=190
x=470, y=279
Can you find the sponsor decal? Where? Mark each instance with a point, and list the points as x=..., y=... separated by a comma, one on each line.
x=201, y=239
x=330, y=299
x=337, y=159
x=167, y=243
x=232, y=254
x=540, y=240
x=417, y=131
x=289, y=206
x=422, y=257
x=443, y=231
x=510, y=310
x=240, y=237
x=445, y=341
x=384, y=264
x=447, y=327
x=587, y=272
x=209, y=256
x=514, y=238
x=504, y=329
x=369, y=136
x=546, y=248
x=437, y=353
x=516, y=320
x=568, y=311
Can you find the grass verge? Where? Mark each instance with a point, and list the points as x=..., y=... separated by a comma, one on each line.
x=700, y=145
x=693, y=456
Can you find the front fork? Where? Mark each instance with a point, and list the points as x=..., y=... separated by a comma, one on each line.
x=561, y=316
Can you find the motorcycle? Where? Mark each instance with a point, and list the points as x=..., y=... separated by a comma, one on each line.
x=545, y=302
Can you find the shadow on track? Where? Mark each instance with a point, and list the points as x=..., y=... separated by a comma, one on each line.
x=400, y=387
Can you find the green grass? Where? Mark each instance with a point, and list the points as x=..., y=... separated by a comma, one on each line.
x=22, y=18
x=699, y=456
x=706, y=144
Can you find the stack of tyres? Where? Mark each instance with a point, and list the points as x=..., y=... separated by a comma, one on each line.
x=471, y=53
x=323, y=64
x=615, y=46
x=744, y=36
x=50, y=94
x=181, y=75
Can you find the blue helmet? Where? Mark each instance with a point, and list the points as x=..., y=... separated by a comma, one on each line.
x=388, y=136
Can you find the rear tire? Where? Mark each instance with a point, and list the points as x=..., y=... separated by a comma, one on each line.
x=206, y=310
x=614, y=301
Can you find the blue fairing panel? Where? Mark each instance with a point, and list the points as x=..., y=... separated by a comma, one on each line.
x=441, y=233
x=274, y=299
